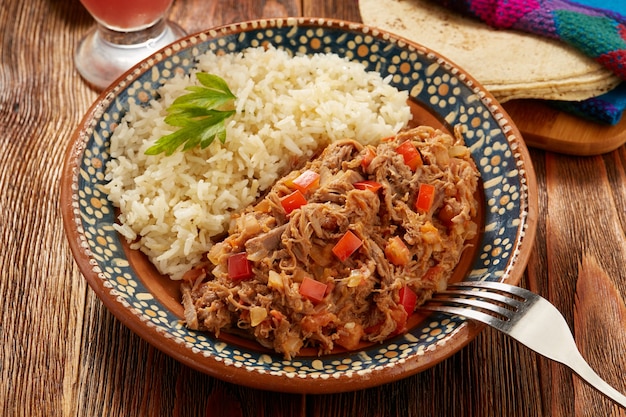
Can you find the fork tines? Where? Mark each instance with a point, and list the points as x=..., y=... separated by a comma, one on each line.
x=480, y=300
x=525, y=316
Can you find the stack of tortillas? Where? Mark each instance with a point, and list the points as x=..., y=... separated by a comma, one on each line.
x=511, y=65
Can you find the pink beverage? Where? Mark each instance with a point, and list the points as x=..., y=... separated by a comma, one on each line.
x=127, y=15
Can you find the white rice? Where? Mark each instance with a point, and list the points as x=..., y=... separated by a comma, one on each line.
x=286, y=107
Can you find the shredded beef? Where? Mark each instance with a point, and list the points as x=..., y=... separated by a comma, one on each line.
x=361, y=293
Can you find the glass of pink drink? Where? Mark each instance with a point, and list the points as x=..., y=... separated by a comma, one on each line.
x=126, y=32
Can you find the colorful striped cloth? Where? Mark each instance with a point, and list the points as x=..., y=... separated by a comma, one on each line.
x=595, y=27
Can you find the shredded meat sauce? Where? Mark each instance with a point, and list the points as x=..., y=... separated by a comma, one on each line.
x=362, y=298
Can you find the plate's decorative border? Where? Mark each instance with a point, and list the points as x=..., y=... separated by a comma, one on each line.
x=454, y=97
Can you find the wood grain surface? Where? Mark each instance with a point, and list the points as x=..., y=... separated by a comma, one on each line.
x=63, y=354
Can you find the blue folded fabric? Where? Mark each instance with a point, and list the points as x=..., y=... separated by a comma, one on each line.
x=597, y=28
x=609, y=107
x=618, y=6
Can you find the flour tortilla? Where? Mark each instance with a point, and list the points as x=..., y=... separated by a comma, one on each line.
x=511, y=65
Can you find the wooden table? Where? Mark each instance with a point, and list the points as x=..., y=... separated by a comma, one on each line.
x=63, y=354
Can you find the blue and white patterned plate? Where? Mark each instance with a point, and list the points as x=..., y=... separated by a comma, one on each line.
x=442, y=95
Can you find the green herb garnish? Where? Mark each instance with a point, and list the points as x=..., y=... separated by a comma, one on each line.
x=198, y=116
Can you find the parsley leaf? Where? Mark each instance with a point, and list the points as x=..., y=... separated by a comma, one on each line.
x=197, y=115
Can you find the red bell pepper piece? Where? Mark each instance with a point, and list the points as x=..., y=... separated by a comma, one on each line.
x=239, y=267
x=373, y=186
x=293, y=201
x=305, y=181
x=347, y=245
x=312, y=289
x=368, y=156
x=425, y=198
x=411, y=155
x=408, y=298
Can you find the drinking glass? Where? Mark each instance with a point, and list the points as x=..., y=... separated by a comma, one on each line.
x=126, y=32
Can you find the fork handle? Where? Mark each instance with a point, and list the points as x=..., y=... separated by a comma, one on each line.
x=577, y=363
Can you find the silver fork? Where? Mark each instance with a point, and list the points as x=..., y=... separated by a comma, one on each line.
x=526, y=317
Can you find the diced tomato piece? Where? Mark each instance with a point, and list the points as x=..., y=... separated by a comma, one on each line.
x=411, y=155
x=293, y=201
x=370, y=185
x=313, y=289
x=347, y=245
x=306, y=181
x=314, y=322
x=400, y=316
x=368, y=156
x=425, y=198
x=239, y=267
x=396, y=251
x=277, y=317
x=373, y=329
x=349, y=335
x=408, y=298
x=434, y=274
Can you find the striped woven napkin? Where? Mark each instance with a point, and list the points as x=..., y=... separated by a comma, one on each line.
x=595, y=27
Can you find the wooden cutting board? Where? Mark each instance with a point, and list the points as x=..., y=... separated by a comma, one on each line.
x=546, y=128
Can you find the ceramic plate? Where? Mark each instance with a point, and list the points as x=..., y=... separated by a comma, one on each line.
x=441, y=95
